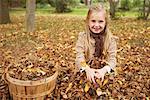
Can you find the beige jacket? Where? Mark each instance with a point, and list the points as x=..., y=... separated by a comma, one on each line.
x=81, y=51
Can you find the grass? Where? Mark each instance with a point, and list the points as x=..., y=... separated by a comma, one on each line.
x=48, y=11
x=78, y=11
x=130, y=14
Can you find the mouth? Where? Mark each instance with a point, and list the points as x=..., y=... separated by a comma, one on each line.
x=96, y=29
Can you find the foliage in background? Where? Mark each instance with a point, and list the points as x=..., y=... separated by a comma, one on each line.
x=136, y=3
x=126, y=4
x=62, y=5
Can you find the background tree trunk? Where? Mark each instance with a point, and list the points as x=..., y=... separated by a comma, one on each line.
x=113, y=5
x=4, y=12
x=30, y=15
x=88, y=2
x=146, y=9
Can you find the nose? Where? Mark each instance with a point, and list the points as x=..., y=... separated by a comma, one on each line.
x=97, y=24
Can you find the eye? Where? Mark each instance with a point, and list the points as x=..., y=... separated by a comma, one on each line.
x=100, y=21
x=93, y=21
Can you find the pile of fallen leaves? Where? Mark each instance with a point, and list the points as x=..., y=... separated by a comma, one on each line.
x=75, y=85
x=54, y=40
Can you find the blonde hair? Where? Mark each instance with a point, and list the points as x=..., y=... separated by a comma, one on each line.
x=107, y=36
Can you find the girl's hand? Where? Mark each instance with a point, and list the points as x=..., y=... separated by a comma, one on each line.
x=100, y=73
x=90, y=73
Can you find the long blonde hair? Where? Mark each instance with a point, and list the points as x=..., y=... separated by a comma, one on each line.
x=107, y=36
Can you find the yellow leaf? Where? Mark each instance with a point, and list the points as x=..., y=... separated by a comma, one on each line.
x=86, y=88
x=69, y=87
x=98, y=91
x=105, y=82
x=99, y=82
x=80, y=82
x=30, y=66
x=147, y=98
x=119, y=82
x=24, y=70
x=30, y=70
x=72, y=37
x=65, y=96
x=40, y=71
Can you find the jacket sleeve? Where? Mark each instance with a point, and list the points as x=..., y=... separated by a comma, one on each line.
x=80, y=50
x=112, y=50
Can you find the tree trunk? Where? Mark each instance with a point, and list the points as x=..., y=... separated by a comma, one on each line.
x=88, y=2
x=112, y=9
x=113, y=4
x=4, y=12
x=30, y=15
x=146, y=9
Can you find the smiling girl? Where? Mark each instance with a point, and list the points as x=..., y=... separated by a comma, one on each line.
x=96, y=42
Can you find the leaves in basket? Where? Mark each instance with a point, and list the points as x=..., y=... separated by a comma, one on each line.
x=31, y=69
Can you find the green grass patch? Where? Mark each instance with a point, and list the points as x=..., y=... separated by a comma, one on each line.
x=47, y=11
x=130, y=14
x=77, y=11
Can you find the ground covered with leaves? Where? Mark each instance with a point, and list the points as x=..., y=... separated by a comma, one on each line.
x=53, y=43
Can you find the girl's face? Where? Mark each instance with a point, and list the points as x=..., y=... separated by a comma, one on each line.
x=97, y=21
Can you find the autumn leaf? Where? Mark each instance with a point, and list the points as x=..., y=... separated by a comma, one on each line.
x=99, y=82
x=99, y=91
x=105, y=82
x=87, y=87
x=69, y=87
x=120, y=82
x=80, y=81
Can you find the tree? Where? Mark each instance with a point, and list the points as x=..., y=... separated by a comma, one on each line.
x=113, y=5
x=146, y=9
x=30, y=15
x=88, y=2
x=4, y=12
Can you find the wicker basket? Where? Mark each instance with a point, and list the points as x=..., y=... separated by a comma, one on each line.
x=31, y=90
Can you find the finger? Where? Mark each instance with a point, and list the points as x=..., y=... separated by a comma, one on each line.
x=88, y=78
x=97, y=75
x=96, y=71
x=93, y=80
x=102, y=78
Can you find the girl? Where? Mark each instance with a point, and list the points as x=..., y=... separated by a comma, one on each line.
x=96, y=42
